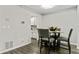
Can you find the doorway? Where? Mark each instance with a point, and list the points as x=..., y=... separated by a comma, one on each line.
x=33, y=27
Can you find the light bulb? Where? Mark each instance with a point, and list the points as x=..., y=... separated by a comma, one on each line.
x=47, y=6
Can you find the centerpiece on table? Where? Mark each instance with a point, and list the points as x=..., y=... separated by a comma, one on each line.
x=54, y=29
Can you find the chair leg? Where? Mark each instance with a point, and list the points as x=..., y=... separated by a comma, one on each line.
x=49, y=48
x=54, y=45
x=38, y=43
x=69, y=48
x=40, y=46
x=58, y=44
x=40, y=50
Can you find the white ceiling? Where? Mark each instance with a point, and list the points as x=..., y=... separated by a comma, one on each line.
x=40, y=10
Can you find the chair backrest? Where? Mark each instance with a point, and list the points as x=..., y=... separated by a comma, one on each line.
x=70, y=34
x=43, y=33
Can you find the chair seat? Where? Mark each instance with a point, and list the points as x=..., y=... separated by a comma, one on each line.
x=63, y=39
x=46, y=39
x=64, y=43
x=64, y=47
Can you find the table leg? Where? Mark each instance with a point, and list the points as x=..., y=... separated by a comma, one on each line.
x=54, y=44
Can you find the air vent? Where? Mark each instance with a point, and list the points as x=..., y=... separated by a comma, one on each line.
x=11, y=44
x=8, y=44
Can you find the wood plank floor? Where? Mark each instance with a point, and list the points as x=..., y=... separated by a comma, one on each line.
x=34, y=49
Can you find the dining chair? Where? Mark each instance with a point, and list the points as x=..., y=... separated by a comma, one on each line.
x=65, y=42
x=44, y=39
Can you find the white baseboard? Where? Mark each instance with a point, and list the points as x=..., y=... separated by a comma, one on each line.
x=3, y=51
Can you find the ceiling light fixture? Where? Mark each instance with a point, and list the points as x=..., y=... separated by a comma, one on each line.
x=47, y=6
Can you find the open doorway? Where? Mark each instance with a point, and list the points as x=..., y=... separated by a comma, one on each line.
x=33, y=27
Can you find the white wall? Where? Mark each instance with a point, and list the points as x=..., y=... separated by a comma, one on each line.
x=11, y=28
x=65, y=20
x=38, y=16
x=78, y=25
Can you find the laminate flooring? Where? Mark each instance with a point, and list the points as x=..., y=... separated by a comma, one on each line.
x=33, y=48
